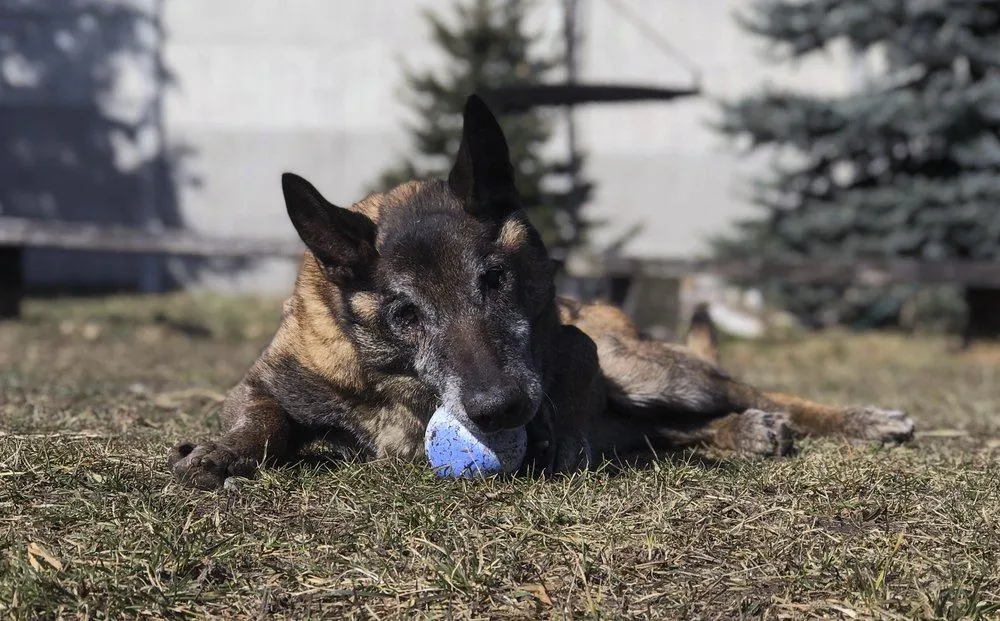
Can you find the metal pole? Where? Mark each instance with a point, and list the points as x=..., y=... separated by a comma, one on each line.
x=151, y=266
x=570, y=8
x=571, y=35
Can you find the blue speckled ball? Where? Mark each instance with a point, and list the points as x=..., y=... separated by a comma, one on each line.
x=455, y=449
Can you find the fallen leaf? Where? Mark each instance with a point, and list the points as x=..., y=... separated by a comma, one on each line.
x=539, y=592
x=845, y=611
x=36, y=551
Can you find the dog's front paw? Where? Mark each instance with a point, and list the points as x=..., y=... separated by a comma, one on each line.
x=758, y=432
x=208, y=465
x=563, y=455
x=541, y=451
x=878, y=425
x=572, y=455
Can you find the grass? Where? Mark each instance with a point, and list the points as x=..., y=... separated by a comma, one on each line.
x=92, y=394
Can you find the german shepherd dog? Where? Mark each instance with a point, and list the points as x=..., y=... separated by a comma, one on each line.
x=441, y=291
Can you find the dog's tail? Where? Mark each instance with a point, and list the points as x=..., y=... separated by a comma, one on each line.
x=702, y=337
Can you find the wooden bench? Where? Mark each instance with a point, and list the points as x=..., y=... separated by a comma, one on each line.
x=16, y=234
x=647, y=288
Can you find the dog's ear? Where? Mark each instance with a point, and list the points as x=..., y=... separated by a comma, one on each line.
x=482, y=177
x=342, y=240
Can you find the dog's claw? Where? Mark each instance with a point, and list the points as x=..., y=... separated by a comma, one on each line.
x=206, y=466
x=764, y=433
x=885, y=426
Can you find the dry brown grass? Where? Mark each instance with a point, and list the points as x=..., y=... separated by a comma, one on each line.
x=92, y=393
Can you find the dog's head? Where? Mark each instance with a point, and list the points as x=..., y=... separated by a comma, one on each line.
x=445, y=280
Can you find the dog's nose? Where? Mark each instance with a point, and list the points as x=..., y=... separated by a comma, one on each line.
x=500, y=406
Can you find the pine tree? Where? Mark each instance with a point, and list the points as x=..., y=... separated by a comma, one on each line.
x=908, y=166
x=489, y=46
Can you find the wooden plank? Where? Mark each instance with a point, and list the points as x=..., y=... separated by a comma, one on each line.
x=866, y=271
x=23, y=232
x=94, y=237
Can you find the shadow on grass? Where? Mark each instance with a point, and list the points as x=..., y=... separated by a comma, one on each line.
x=326, y=457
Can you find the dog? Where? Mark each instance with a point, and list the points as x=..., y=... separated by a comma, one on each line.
x=441, y=292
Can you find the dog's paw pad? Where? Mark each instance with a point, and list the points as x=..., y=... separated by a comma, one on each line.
x=206, y=466
x=878, y=425
x=764, y=433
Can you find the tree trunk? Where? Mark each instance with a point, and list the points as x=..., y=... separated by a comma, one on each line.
x=11, y=282
x=984, y=314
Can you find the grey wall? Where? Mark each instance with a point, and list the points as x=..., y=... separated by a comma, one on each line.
x=259, y=87
x=661, y=164
x=75, y=86
x=309, y=86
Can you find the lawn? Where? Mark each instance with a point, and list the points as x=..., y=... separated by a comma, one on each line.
x=92, y=394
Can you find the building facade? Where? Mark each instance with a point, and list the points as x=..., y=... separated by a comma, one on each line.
x=216, y=98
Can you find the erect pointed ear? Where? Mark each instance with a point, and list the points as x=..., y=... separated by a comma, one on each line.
x=483, y=178
x=342, y=240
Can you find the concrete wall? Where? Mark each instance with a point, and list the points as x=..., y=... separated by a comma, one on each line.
x=660, y=164
x=75, y=84
x=312, y=86
x=308, y=86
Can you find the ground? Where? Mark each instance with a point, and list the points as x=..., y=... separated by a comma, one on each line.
x=92, y=394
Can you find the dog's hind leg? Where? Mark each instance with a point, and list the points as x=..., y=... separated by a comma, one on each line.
x=256, y=430
x=662, y=396
x=682, y=399
x=680, y=396
x=871, y=423
x=750, y=432
x=806, y=417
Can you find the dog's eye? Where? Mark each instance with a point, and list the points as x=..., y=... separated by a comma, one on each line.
x=494, y=278
x=404, y=316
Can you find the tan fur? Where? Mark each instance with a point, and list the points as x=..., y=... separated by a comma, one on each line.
x=319, y=343
x=597, y=319
x=702, y=339
x=398, y=432
x=373, y=204
x=365, y=305
x=512, y=236
x=401, y=194
x=753, y=432
x=370, y=206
